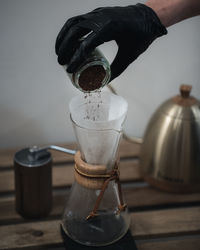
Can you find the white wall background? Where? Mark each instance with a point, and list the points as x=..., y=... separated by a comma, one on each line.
x=34, y=90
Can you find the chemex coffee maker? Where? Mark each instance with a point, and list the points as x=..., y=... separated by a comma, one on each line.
x=95, y=213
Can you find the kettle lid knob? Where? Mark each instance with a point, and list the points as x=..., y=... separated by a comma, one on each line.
x=185, y=90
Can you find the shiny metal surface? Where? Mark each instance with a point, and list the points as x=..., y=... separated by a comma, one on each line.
x=36, y=149
x=171, y=147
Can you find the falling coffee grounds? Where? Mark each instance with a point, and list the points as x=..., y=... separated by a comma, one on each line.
x=92, y=78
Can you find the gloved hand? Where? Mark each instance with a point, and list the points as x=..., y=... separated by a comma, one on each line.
x=133, y=28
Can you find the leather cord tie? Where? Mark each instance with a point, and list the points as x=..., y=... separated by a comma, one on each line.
x=96, y=177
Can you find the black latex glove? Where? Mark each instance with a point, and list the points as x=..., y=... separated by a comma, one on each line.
x=133, y=28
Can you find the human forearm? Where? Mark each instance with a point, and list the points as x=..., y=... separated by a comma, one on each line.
x=174, y=11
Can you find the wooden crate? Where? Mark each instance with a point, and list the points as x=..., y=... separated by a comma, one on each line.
x=160, y=220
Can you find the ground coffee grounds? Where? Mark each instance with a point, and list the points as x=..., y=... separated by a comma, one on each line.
x=92, y=78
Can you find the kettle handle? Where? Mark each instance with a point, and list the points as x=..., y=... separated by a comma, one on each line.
x=133, y=139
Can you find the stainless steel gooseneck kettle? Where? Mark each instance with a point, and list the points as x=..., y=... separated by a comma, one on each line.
x=170, y=154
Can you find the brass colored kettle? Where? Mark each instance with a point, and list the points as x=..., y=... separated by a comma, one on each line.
x=170, y=154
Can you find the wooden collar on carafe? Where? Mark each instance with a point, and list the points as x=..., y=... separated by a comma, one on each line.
x=97, y=177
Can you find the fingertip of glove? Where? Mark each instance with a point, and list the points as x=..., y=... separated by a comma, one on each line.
x=61, y=61
x=71, y=69
x=56, y=49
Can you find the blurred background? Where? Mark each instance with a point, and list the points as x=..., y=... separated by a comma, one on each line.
x=35, y=91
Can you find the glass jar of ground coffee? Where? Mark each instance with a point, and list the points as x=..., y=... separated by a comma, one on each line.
x=93, y=74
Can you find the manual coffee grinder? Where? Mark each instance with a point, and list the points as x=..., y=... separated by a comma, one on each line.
x=95, y=213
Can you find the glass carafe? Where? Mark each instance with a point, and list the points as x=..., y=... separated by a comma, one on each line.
x=97, y=122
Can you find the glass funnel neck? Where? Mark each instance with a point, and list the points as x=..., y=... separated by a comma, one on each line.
x=97, y=121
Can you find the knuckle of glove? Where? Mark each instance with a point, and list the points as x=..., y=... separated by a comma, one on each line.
x=84, y=50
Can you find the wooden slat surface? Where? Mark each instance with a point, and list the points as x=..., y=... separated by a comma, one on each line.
x=127, y=149
x=144, y=224
x=136, y=198
x=7, y=155
x=171, y=244
x=168, y=222
x=156, y=215
x=64, y=176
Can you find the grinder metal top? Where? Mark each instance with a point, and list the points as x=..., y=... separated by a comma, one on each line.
x=28, y=158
